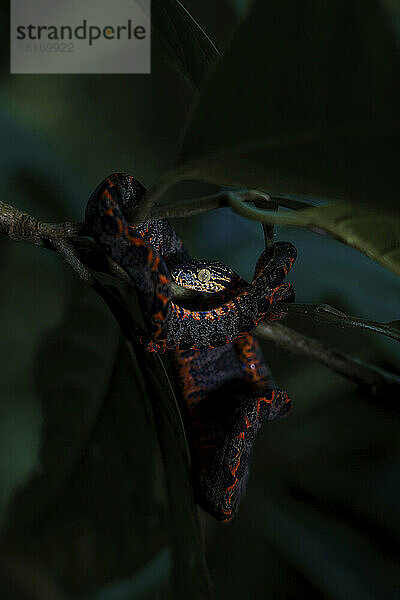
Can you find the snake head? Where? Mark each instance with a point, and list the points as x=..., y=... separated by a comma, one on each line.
x=203, y=276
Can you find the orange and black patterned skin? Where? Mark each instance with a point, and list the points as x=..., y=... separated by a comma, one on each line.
x=225, y=389
x=226, y=394
x=170, y=325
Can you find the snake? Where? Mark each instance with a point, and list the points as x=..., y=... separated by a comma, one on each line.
x=224, y=387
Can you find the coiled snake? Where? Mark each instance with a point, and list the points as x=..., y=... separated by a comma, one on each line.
x=225, y=389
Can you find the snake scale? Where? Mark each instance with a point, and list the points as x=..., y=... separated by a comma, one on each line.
x=224, y=387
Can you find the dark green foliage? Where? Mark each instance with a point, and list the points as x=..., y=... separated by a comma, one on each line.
x=95, y=489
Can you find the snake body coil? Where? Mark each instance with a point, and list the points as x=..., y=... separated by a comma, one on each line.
x=225, y=389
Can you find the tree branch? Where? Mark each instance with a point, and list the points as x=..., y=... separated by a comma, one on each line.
x=83, y=254
x=19, y=225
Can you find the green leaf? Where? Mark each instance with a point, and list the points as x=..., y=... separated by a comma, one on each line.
x=375, y=234
x=308, y=106
x=187, y=47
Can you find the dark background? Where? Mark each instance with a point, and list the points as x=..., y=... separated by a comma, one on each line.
x=82, y=491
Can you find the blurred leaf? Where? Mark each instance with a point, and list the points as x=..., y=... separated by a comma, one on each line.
x=339, y=455
x=95, y=494
x=145, y=582
x=374, y=233
x=141, y=137
x=190, y=575
x=32, y=299
x=35, y=283
x=74, y=368
x=310, y=106
x=241, y=6
x=26, y=580
x=337, y=560
x=322, y=501
x=187, y=47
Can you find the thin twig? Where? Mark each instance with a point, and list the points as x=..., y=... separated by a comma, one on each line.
x=328, y=315
x=355, y=370
x=273, y=218
x=197, y=206
x=268, y=229
x=151, y=197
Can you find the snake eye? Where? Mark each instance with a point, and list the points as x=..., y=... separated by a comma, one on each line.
x=204, y=275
